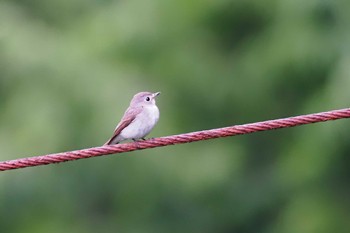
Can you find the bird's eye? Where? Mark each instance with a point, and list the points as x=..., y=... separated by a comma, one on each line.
x=148, y=99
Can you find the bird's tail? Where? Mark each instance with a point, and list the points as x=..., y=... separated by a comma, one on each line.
x=111, y=141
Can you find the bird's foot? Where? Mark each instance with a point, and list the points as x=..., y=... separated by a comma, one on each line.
x=139, y=140
x=136, y=141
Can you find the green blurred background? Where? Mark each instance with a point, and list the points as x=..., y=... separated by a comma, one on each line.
x=68, y=70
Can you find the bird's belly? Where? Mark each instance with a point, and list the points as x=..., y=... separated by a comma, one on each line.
x=142, y=125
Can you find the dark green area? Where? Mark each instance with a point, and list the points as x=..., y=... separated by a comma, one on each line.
x=68, y=70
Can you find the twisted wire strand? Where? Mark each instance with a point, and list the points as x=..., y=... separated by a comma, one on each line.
x=175, y=139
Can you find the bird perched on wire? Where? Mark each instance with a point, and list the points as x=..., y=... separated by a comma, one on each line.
x=138, y=120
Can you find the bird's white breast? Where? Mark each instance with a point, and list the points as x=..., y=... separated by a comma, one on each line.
x=143, y=123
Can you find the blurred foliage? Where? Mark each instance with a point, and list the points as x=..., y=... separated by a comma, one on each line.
x=68, y=70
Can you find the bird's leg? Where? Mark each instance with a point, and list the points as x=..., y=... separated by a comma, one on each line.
x=136, y=143
x=138, y=140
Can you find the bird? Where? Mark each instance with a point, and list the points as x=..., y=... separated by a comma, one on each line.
x=138, y=120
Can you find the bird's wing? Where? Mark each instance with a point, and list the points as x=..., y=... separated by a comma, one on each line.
x=129, y=116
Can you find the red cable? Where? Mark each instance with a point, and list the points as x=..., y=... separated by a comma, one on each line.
x=175, y=139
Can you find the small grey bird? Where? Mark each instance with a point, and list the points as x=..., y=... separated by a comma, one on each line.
x=138, y=120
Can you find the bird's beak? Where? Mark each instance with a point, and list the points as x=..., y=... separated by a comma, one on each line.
x=156, y=94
